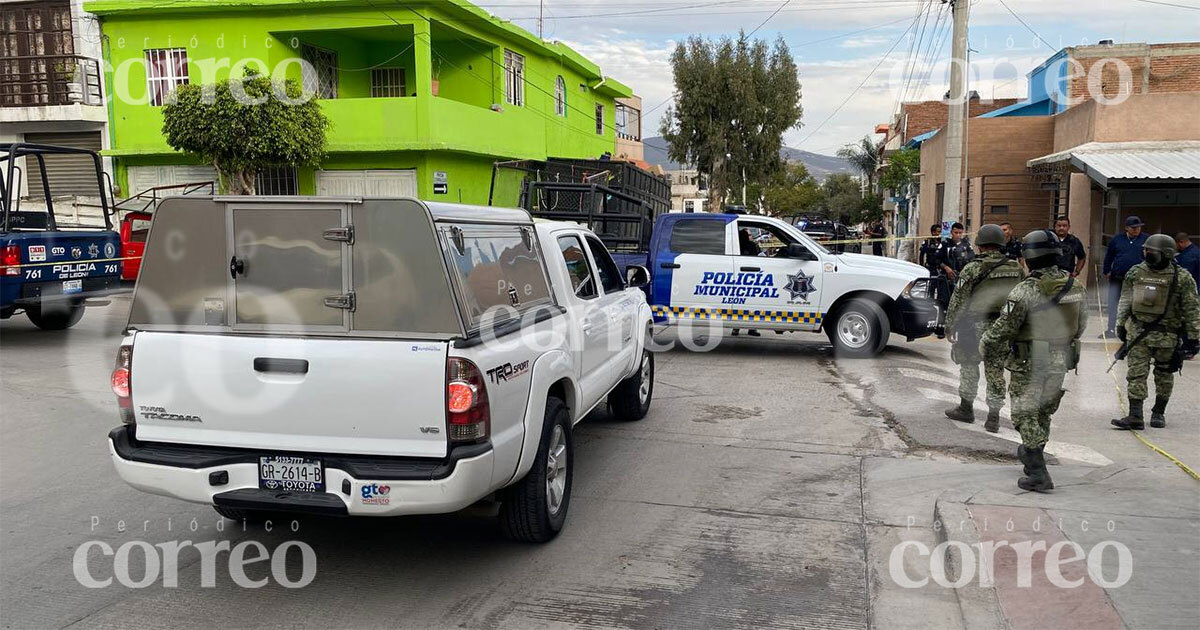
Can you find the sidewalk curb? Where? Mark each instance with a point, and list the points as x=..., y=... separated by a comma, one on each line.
x=979, y=606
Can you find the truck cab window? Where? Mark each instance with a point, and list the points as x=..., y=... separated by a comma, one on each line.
x=768, y=239
x=610, y=276
x=698, y=236
x=583, y=282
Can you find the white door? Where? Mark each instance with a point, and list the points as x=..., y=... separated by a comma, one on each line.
x=594, y=320
x=692, y=272
x=367, y=183
x=774, y=287
x=619, y=307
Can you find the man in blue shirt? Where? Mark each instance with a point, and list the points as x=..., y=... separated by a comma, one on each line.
x=1123, y=253
x=1188, y=256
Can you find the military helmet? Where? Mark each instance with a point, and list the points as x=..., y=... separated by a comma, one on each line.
x=990, y=234
x=1040, y=248
x=1161, y=243
x=1159, y=250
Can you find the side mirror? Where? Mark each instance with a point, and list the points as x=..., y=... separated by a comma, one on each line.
x=636, y=276
x=798, y=251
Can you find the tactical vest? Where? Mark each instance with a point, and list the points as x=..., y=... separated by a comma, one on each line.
x=989, y=294
x=1150, y=293
x=1057, y=324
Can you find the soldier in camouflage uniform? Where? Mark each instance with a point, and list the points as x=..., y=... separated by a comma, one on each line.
x=1038, y=332
x=1159, y=319
x=979, y=295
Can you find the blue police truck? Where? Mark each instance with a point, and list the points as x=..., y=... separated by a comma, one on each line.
x=50, y=270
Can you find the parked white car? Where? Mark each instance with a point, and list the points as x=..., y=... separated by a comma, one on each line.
x=372, y=357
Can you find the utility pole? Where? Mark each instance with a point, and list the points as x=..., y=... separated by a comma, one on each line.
x=541, y=23
x=951, y=198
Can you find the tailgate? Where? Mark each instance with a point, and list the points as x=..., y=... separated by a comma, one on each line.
x=360, y=396
x=70, y=256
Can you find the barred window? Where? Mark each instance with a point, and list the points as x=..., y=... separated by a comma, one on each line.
x=387, y=82
x=166, y=69
x=514, y=78
x=600, y=120
x=320, y=73
x=560, y=96
x=276, y=180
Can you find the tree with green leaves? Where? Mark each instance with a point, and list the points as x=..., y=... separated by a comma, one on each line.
x=734, y=100
x=864, y=157
x=242, y=125
x=792, y=190
x=845, y=202
x=901, y=169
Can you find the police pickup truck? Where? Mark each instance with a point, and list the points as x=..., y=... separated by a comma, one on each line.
x=50, y=270
x=372, y=357
x=759, y=272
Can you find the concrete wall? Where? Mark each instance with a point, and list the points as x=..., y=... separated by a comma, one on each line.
x=1141, y=117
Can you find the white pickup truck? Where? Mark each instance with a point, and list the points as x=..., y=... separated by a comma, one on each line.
x=373, y=357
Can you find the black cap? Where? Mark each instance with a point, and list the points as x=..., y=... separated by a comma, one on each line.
x=1133, y=221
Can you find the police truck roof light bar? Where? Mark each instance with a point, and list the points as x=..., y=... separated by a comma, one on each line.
x=468, y=415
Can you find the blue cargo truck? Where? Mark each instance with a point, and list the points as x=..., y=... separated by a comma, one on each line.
x=48, y=270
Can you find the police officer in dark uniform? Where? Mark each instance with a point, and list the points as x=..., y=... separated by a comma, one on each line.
x=1074, y=256
x=1012, y=244
x=956, y=253
x=930, y=257
x=1123, y=253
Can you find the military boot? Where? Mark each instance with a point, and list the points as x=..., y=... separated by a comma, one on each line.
x=964, y=412
x=1158, y=419
x=1132, y=421
x=992, y=424
x=1021, y=455
x=1038, y=478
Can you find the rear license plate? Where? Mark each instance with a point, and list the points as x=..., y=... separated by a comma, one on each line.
x=295, y=474
x=72, y=286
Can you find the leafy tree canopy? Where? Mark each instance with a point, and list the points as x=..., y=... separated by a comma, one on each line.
x=246, y=124
x=734, y=100
x=901, y=168
x=792, y=190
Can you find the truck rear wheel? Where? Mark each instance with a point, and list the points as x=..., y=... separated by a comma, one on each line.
x=535, y=508
x=630, y=399
x=55, y=316
x=859, y=330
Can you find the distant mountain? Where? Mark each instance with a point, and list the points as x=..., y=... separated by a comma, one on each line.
x=820, y=166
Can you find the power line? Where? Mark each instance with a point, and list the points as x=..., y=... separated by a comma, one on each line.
x=1026, y=25
x=1171, y=4
x=764, y=22
x=860, y=85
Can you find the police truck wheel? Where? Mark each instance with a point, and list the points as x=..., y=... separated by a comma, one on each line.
x=859, y=329
x=535, y=508
x=55, y=316
x=630, y=400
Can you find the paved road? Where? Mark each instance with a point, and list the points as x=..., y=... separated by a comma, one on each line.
x=767, y=488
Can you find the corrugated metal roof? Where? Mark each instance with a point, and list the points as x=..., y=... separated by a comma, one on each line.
x=1146, y=164
x=1108, y=162
x=916, y=141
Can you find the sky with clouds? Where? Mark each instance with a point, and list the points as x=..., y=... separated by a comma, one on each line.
x=842, y=47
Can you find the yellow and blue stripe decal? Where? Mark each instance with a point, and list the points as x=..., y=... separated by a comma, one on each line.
x=735, y=315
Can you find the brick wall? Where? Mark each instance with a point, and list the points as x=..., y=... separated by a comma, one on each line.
x=1152, y=69
x=926, y=116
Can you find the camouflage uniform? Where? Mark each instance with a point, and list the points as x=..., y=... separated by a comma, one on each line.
x=1138, y=308
x=1040, y=342
x=974, y=306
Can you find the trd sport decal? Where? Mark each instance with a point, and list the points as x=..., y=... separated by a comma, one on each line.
x=508, y=371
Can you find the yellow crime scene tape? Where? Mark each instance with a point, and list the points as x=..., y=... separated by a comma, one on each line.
x=1121, y=395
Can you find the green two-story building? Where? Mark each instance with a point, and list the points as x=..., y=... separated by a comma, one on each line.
x=423, y=95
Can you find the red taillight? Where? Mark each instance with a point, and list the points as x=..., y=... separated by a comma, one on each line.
x=12, y=260
x=122, y=383
x=468, y=416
